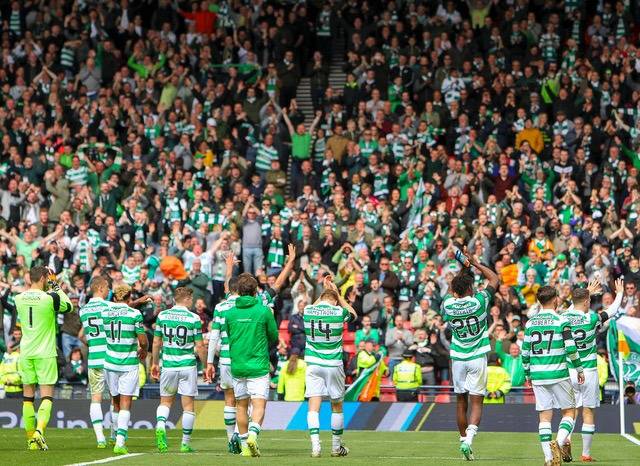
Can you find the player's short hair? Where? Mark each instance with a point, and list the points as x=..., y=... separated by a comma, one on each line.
x=462, y=283
x=98, y=283
x=330, y=295
x=122, y=292
x=38, y=272
x=233, y=285
x=183, y=293
x=546, y=294
x=247, y=284
x=579, y=295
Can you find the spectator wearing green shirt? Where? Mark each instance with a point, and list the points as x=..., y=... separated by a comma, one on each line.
x=28, y=243
x=367, y=332
x=511, y=362
x=300, y=140
x=147, y=68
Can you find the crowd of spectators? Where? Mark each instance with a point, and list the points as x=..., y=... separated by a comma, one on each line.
x=148, y=140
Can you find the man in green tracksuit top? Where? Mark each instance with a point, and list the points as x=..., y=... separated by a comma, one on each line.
x=251, y=328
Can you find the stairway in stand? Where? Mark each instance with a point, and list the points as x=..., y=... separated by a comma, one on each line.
x=337, y=78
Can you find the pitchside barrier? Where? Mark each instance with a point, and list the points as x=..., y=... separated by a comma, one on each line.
x=280, y=415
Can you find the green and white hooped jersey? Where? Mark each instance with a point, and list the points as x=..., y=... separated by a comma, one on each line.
x=584, y=327
x=218, y=324
x=324, y=327
x=122, y=325
x=91, y=318
x=545, y=350
x=179, y=329
x=468, y=319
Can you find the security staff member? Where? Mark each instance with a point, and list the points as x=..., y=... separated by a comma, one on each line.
x=498, y=381
x=407, y=377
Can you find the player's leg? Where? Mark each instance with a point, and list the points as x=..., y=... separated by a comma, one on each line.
x=46, y=375
x=315, y=389
x=259, y=392
x=588, y=430
x=162, y=414
x=578, y=393
x=124, y=416
x=168, y=390
x=96, y=386
x=29, y=414
x=476, y=385
x=188, y=420
x=546, y=433
x=313, y=424
x=590, y=401
x=226, y=384
x=565, y=399
x=188, y=389
x=114, y=410
x=242, y=413
x=459, y=374
x=336, y=388
x=128, y=387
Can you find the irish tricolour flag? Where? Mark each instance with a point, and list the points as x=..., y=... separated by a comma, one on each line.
x=624, y=337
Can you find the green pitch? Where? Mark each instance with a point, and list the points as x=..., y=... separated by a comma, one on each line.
x=75, y=446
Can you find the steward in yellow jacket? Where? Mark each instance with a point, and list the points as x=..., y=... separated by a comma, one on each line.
x=407, y=378
x=498, y=381
x=291, y=382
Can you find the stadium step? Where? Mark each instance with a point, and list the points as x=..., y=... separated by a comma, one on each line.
x=337, y=78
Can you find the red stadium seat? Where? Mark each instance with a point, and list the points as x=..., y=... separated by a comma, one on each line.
x=349, y=337
x=284, y=325
x=350, y=348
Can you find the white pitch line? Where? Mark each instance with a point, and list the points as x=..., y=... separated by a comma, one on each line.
x=631, y=438
x=107, y=460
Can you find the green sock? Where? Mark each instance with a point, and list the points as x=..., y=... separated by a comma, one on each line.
x=44, y=413
x=29, y=417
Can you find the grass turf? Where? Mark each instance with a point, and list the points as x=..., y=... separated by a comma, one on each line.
x=68, y=446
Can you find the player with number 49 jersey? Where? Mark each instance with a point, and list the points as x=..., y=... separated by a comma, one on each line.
x=179, y=329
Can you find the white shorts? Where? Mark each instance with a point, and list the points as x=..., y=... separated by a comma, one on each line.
x=325, y=381
x=587, y=394
x=182, y=381
x=96, y=381
x=554, y=396
x=251, y=388
x=226, y=380
x=470, y=376
x=123, y=383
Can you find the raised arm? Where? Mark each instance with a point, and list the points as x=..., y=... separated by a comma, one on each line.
x=316, y=120
x=286, y=271
x=285, y=115
x=486, y=272
x=613, y=310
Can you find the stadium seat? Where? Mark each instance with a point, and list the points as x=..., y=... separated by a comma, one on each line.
x=284, y=325
x=349, y=348
x=349, y=337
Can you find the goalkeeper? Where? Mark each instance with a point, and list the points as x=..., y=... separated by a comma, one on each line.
x=37, y=311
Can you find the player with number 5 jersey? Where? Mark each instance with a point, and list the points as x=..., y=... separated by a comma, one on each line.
x=95, y=338
x=324, y=326
x=466, y=313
